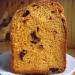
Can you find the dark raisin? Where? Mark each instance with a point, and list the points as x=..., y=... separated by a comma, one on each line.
x=52, y=11
x=22, y=54
x=50, y=18
x=37, y=29
x=59, y=10
x=40, y=46
x=7, y=38
x=55, y=32
x=34, y=42
x=34, y=37
x=51, y=3
x=24, y=21
x=54, y=70
x=26, y=13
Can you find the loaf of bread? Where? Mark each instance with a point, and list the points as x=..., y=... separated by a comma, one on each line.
x=38, y=39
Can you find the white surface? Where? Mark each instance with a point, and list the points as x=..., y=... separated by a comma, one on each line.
x=5, y=62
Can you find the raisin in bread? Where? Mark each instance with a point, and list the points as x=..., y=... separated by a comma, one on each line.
x=38, y=39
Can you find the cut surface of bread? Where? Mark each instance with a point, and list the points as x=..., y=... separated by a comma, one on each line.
x=38, y=39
